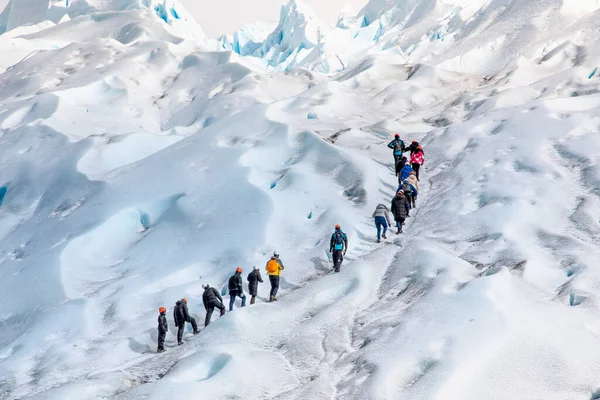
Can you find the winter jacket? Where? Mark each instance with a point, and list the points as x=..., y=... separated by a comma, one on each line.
x=404, y=173
x=334, y=239
x=412, y=148
x=412, y=179
x=253, y=279
x=162, y=323
x=382, y=211
x=397, y=145
x=211, y=296
x=180, y=313
x=407, y=188
x=275, y=262
x=235, y=284
x=400, y=164
x=400, y=207
x=417, y=158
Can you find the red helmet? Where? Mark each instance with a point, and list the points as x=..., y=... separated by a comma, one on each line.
x=238, y=269
x=184, y=300
x=397, y=135
x=338, y=227
x=162, y=310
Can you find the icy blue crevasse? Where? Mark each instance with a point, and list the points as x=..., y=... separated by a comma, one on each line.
x=174, y=13
x=593, y=73
x=309, y=216
x=161, y=12
x=312, y=115
x=3, y=191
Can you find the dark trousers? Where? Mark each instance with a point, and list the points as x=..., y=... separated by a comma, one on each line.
x=399, y=224
x=397, y=166
x=232, y=300
x=414, y=200
x=338, y=257
x=210, y=309
x=181, y=327
x=380, y=222
x=274, y=284
x=416, y=167
x=161, y=339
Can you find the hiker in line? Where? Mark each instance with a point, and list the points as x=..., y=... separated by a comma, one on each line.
x=410, y=192
x=382, y=220
x=412, y=148
x=274, y=268
x=397, y=145
x=211, y=299
x=163, y=328
x=404, y=173
x=400, y=209
x=236, y=288
x=181, y=316
x=417, y=159
x=412, y=179
x=400, y=164
x=338, y=247
x=254, y=278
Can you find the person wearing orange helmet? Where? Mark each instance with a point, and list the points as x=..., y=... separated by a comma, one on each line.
x=163, y=328
x=338, y=245
x=236, y=288
x=181, y=316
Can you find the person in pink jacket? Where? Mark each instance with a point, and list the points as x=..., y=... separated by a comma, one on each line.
x=417, y=159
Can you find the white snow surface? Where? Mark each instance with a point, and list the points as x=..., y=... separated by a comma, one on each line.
x=142, y=160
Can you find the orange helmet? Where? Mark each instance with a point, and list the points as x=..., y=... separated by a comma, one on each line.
x=397, y=135
x=337, y=226
x=238, y=269
x=414, y=141
x=162, y=310
x=419, y=148
x=184, y=300
x=412, y=172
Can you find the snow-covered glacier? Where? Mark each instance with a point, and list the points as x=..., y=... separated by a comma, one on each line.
x=140, y=159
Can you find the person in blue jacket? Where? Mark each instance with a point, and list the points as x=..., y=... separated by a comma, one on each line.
x=404, y=173
x=338, y=247
x=397, y=145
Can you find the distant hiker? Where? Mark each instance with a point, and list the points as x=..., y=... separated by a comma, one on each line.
x=211, y=299
x=382, y=220
x=410, y=192
x=254, y=278
x=413, y=147
x=274, y=268
x=181, y=316
x=412, y=179
x=400, y=164
x=405, y=172
x=417, y=159
x=338, y=247
x=236, y=288
x=400, y=209
x=397, y=145
x=163, y=328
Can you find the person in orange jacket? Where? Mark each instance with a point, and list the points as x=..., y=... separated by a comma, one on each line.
x=274, y=268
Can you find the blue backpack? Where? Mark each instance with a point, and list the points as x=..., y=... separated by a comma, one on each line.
x=339, y=241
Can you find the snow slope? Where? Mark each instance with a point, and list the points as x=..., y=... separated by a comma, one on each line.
x=138, y=163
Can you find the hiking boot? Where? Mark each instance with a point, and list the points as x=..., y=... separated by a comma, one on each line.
x=222, y=312
x=383, y=236
x=179, y=343
x=378, y=240
x=196, y=332
x=398, y=231
x=273, y=298
x=160, y=350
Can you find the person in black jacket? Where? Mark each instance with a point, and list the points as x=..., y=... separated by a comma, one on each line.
x=211, y=299
x=413, y=147
x=400, y=208
x=254, y=278
x=181, y=316
x=163, y=328
x=236, y=289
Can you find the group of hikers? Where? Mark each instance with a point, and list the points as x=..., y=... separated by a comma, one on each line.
x=212, y=299
x=407, y=171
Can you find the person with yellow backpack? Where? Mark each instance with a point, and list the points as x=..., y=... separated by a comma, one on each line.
x=274, y=268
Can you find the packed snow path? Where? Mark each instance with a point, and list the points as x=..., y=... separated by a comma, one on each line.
x=135, y=166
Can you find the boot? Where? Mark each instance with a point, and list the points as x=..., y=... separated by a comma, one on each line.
x=179, y=343
x=196, y=332
x=383, y=236
x=378, y=240
x=160, y=350
x=273, y=298
x=252, y=299
x=222, y=312
x=398, y=232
